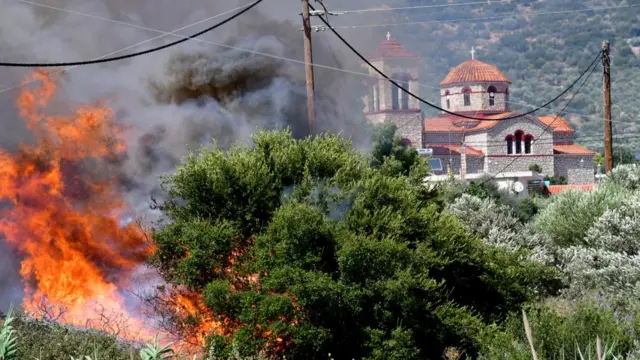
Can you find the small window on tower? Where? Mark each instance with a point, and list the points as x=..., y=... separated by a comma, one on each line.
x=467, y=96
x=492, y=95
x=448, y=98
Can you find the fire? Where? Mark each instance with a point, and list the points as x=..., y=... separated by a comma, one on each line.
x=62, y=214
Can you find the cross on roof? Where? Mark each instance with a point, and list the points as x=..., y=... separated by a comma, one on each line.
x=388, y=35
x=473, y=53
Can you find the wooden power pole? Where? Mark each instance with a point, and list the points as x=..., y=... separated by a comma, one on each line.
x=308, y=59
x=608, y=146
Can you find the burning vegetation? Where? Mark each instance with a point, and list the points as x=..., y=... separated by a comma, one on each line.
x=64, y=214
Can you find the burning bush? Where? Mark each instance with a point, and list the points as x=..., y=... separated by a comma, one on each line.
x=301, y=248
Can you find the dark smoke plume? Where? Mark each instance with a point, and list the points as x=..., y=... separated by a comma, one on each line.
x=186, y=95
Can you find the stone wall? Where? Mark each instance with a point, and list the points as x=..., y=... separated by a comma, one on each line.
x=452, y=163
x=573, y=170
x=541, y=149
x=479, y=98
x=475, y=164
x=496, y=164
x=410, y=124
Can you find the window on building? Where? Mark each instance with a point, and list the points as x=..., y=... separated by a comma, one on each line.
x=435, y=164
x=527, y=144
x=509, y=140
x=377, y=98
x=447, y=96
x=467, y=96
x=371, y=101
x=492, y=95
x=405, y=96
x=519, y=135
x=395, y=92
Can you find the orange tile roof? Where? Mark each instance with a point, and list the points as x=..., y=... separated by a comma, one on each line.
x=572, y=149
x=558, y=124
x=391, y=48
x=473, y=71
x=455, y=124
x=556, y=189
x=443, y=149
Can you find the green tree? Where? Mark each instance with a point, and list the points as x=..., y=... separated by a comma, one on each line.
x=304, y=247
x=387, y=145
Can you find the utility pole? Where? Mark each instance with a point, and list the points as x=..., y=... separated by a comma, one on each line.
x=308, y=59
x=608, y=146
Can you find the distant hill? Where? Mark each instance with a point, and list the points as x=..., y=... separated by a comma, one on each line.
x=539, y=50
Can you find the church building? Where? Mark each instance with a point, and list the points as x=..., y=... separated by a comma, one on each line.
x=512, y=149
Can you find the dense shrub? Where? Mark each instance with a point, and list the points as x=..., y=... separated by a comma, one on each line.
x=567, y=333
x=348, y=258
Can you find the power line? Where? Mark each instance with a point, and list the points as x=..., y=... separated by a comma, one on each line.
x=438, y=107
x=592, y=68
x=483, y=18
x=360, y=11
x=122, y=57
x=173, y=33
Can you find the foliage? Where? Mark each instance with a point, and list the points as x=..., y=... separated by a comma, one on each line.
x=535, y=168
x=555, y=335
x=497, y=225
x=387, y=145
x=8, y=338
x=569, y=216
x=556, y=180
x=42, y=340
x=155, y=352
x=304, y=248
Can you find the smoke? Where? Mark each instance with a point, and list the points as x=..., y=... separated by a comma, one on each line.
x=185, y=95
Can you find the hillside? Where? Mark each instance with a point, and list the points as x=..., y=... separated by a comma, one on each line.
x=541, y=46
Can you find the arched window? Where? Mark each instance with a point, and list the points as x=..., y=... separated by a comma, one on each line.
x=377, y=97
x=527, y=144
x=492, y=95
x=509, y=140
x=447, y=96
x=406, y=142
x=519, y=135
x=467, y=96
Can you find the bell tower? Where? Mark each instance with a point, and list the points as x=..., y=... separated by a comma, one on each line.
x=386, y=102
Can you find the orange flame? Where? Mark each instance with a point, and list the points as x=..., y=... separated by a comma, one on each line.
x=62, y=213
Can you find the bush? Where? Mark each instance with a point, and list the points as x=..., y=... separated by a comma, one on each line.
x=314, y=250
x=562, y=336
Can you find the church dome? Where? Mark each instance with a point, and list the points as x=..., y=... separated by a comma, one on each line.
x=474, y=71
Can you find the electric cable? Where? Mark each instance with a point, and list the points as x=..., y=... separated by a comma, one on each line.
x=173, y=33
x=360, y=11
x=484, y=19
x=139, y=53
x=438, y=107
x=592, y=68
